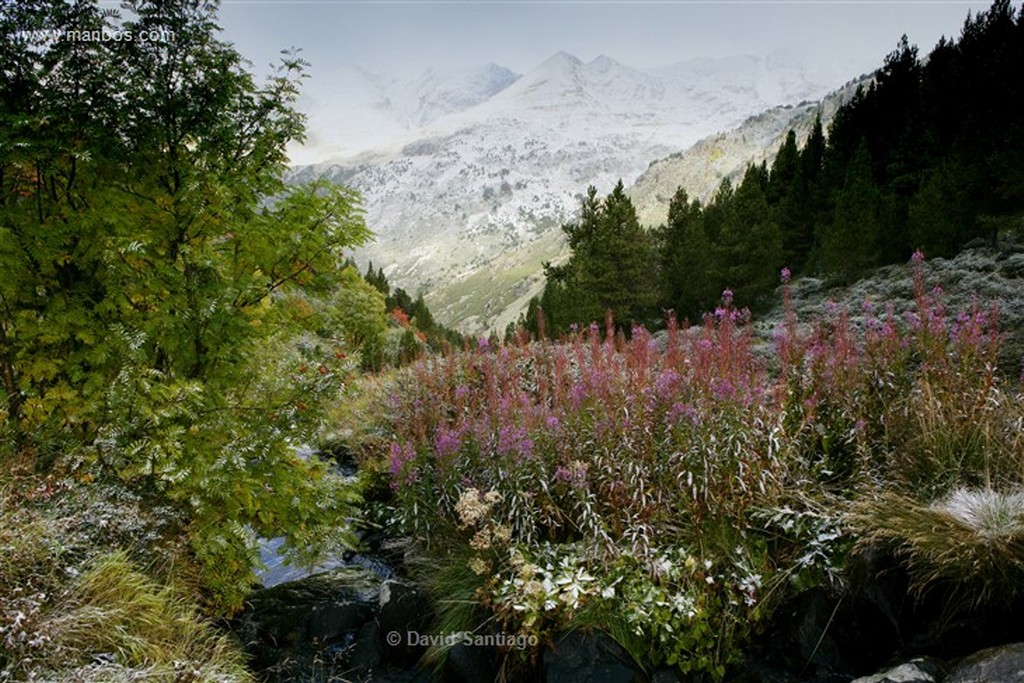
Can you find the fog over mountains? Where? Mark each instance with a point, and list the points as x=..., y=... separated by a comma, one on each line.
x=468, y=174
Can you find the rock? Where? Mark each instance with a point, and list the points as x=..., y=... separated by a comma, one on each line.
x=468, y=664
x=403, y=608
x=666, y=675
x=367, y=653
x=588, y=657
x=921, y=670
x=1002, y=664
x=313, y=621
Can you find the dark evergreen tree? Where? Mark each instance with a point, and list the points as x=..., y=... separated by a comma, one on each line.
x=942, y=217
x=850, y=242
x=421, y=315
x=611, y=268
x=750, y=243
x=685, y=259
x=399, y=299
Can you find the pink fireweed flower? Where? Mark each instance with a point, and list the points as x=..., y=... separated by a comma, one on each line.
x=785, y=275
x=727, y=296
x=447, y=442
x=666, y=383
x=917, y=256
x=722, y=388
x=679, y=411
x=401, y=456
x=514, y=439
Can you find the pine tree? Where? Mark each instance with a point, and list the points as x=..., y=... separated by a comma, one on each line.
x=686, y=260
x=850, y=242
x=750, y=243
x=610, y=268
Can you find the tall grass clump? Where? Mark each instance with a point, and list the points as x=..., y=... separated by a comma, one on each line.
x=673, y=490
x=71, y=608
x=970, y=542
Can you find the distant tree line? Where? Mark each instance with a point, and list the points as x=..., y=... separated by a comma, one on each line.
x=419, y=330
x=930, y=156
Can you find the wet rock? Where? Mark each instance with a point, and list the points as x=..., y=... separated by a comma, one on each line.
x=314, y=621
x=403, y=608
x=588, y=657
x=1004, y=664
x=468, y=664
x=921, y=670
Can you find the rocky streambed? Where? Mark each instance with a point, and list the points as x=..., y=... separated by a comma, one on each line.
x=360, y=617
x=350, y=624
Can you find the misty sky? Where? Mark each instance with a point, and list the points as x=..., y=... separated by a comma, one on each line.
x=407, y=35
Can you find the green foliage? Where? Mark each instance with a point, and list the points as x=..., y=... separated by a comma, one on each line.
x=849, y=243
x=749, y=242
x=685, y=253
x=156, y=328
x=356, y=311
x=610, y=269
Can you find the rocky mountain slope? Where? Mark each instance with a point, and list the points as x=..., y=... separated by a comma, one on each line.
x=982, y=276
x=469, y=208
x=701, y=169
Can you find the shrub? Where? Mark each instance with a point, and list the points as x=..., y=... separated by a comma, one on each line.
x=72, y=609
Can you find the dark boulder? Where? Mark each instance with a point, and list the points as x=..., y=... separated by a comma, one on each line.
x=920, y=670
x=589, y=657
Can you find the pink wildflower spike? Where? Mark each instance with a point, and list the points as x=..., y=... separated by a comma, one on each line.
x=727, y=296
x=786, y=274
x=917, y=256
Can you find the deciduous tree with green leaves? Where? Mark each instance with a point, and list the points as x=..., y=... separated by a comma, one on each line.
x=153, y=259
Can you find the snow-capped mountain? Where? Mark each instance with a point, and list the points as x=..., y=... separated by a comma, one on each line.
x=468, y=193
x=373, y=110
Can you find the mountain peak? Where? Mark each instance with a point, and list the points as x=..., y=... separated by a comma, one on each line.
x=561, y=58
x=603, y=63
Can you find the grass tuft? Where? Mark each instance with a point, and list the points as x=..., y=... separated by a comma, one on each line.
x=971, y=541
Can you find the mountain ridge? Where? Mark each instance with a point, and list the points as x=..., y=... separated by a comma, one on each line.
x=468, y=208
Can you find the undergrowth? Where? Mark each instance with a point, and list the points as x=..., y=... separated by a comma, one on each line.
x=75, y=608
x=672, y=490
